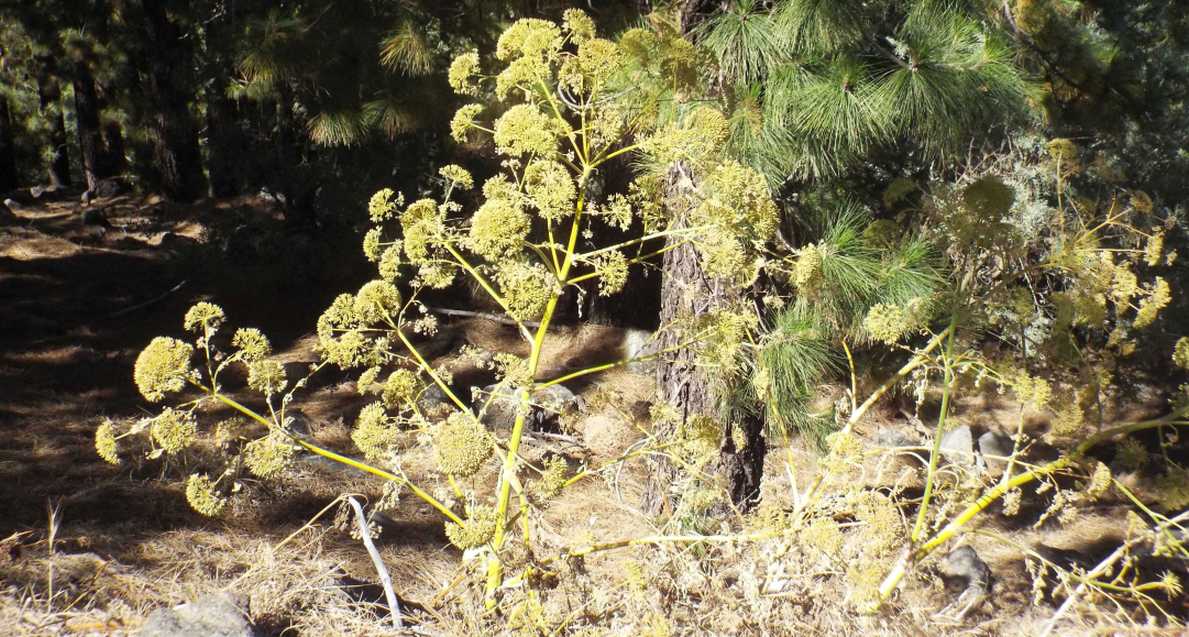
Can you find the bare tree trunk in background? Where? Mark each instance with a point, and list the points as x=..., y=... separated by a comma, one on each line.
x=90, y=135
x=175, y=143
x=687, y=292
x=8, y=161
x=113, y=144
x=49, y=96
x=223, y=140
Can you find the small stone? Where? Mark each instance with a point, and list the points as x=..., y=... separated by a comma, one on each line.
x=216, y=615
x=957, y=446
x=892, y=438
x=963, y=563
x=994, y=449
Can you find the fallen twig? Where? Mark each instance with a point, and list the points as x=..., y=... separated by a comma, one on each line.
x=385, y=580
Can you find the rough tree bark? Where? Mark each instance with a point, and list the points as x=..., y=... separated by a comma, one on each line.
x=689, y=388
x=49, y=97
x=166, y=57
x=8, y=162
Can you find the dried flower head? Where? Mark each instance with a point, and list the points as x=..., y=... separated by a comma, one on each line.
x=174, y=430
x=462, y=445
x=807, y=270
x=498, y=229
x=105, y=442
x=162, y=368
x=1099, y=483
x=375, y=433
x=203, y=315
x=477, y=529
x=1068, y=420
x=201, y=494
x=269, y=455
x=525, y=130
x=464, y=71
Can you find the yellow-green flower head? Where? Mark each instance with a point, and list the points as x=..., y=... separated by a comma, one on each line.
x=699, y=138
x=375, y=433
x=382, y=206
x=463, y=73
x=376, y=300
x=400, y=388
x=105, y=442
x=1125, y=284
x=523, y=74
x=462, y=445
x=500, y=187
x=267, y=377
x=550, y=188
x=1150, y=307
x=463, y=120
x=618, y=211
x=1154, y=248
x=338, y=341
x=529, y=37
x=390, y=261
x=174, y=430
x=422, y=225
x=371, y=244
x=200, y=493
x=596, y=61
x=269, y=455
x=739, y=203
x=807, y=270
x=526, y=288
x=251, y=343
x=614, y=268
x=201, y=314
x=438, y=276
x=162, y=368
x=524, y=129
x=888, y=323
x=639, y=43
x=578, y=24
x=458, y=176
x=498, y=229
x=477, y=530
x=1180, y=352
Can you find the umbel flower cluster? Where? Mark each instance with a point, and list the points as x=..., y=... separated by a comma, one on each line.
x=523, y=236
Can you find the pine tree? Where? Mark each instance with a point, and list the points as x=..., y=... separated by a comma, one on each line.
x=815, y=88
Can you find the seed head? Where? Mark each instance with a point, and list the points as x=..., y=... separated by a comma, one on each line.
x=162, y=368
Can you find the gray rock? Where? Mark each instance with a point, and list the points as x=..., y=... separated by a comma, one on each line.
x=963, y=563
x=216, y=615
x=887, y=437
x=432, y=398
x=297, y=422
x=994, y=449
x=547, y=405
x=957, y=446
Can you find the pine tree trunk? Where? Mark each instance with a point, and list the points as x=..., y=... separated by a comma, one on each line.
x=90, y=135
x=687, y=292
x=684, y=385
x=175, y=142
x=115, y=157
x=224, y=142
x=8, y=163
x=49, y=97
